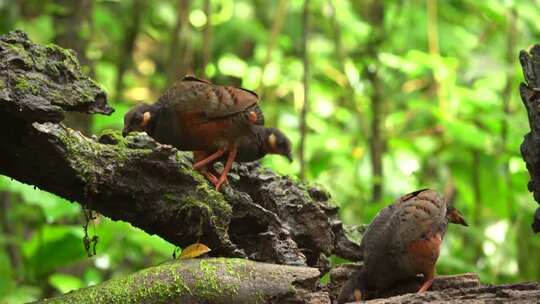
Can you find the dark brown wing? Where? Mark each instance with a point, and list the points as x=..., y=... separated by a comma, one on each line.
x=405, y=218
x=194, y=95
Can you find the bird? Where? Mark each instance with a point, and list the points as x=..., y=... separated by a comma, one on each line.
x=402, y=241
x=259, y=143
x=210, y=120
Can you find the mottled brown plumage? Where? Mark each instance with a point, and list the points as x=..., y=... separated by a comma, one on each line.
x=402, y=241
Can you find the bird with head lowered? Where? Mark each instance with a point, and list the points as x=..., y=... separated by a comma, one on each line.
x=402, y=241
x=215, y=122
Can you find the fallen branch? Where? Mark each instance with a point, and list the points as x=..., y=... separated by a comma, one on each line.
x=238, y=281
x=263, y=216
x=511, y=293
x=206, y=281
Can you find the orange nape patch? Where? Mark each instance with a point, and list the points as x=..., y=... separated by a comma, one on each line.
x=253, y=118
x=424, y=253
x=146, y=118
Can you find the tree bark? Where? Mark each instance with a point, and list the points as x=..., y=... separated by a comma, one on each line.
x=216, y=281
x=524, y=293
x=530, y=148
x=461, y=288
x=262, y=215
x=240, y=281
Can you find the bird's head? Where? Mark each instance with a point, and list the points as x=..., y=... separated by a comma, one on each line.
x=455, y=217
x=138, y=119
x=275, y=142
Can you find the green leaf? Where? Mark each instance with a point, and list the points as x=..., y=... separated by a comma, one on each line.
x=64, y=282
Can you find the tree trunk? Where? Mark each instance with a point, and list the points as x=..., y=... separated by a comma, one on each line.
x=530, y=148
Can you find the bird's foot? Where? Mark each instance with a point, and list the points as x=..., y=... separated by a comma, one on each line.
x=211, y=177
x=426, y=285
x=222, y=180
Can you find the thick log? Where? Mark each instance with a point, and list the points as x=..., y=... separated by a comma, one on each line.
x=461, y=288
x=339, y=275
x=240, y=281
x=218, y=281
x=261, y=215
x=511, y=293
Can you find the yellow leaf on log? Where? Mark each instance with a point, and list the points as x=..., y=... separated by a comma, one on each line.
x=194, y=250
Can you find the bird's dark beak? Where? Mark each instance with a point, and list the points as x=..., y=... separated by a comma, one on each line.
x=289, y=157
x=455, y=217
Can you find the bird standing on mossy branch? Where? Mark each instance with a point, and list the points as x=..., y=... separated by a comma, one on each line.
x=401, y=242
x=215, y=122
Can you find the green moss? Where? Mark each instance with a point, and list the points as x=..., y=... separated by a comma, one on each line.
x=161, y=284
x=116, y=136
x=260, y=296
x=170, y=197
x=234, y=267
x=209, y=283
x=212, y=197
x=26, y=86
x=86, y=153
x=69, y=56
x=17, y=48
x=168, y=283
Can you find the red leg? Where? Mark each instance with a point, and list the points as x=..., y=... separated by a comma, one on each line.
x=208, y=171
x=209, y=159
x=213, y=171
x=428, y=280
x=228, y=165
x=211, y=177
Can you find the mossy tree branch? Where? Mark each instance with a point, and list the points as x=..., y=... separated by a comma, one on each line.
x=206, y=281
x=262, y=215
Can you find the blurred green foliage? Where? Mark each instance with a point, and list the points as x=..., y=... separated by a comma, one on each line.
x=451, y=117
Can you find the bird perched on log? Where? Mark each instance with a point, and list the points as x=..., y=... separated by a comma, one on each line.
x=211, y=120
x=259, y=143
x=401, y=242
